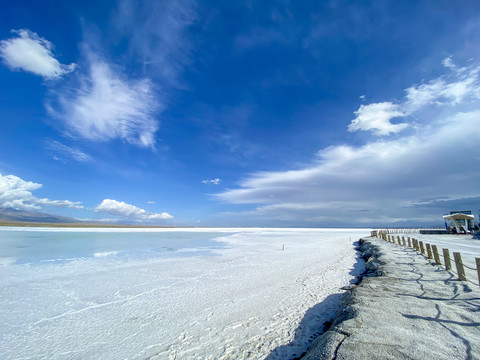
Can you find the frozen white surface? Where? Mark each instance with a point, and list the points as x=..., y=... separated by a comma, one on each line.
x=243, y=299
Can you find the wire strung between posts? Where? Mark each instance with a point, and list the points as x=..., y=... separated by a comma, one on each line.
x=455, y=272
x=468, y=267
x=460, y=262
x=440, y=255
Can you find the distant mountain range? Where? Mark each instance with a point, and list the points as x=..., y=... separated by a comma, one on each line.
x=33, y=216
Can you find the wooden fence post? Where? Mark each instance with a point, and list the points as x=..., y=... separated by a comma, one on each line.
x=435, y=255
x=409, y=242
x=398, y=240
x=446, y=256
x=459, y=265
x=422, y=249
x=477, y=261
x=403, y=241
x=429, y=251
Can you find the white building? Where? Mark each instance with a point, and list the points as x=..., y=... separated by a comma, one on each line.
x=462, y=221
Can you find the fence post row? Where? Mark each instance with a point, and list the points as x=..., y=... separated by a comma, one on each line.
x=432, y=251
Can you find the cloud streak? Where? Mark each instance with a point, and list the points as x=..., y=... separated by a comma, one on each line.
x=16, y=193
x=32, y=53
x=61, y=151
x=384, y=181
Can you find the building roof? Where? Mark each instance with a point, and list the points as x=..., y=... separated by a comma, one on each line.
x=459, y=216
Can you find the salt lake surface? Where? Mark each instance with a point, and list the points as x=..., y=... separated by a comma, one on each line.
x=169, y=293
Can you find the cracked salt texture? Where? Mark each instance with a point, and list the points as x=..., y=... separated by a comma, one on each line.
x=172, y=294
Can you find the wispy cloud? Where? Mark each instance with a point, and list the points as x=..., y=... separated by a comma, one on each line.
x=212, y=181
x=462, y=85
x=16, y=193
x=105, y=105
x=61, y=151
x=120, y=208
x=158, y=35
x=32, y=53
x=382, y=181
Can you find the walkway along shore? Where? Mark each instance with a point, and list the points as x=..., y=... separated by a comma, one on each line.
x=406, y=307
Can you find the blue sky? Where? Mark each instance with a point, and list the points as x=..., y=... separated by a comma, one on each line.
x=239, y=113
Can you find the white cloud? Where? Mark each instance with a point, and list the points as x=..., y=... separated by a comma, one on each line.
x=212, y=181
x=463, y=85
x=32, y=53
x=61, y=151
x=120, y=208
x=106, y=106
x=102, y=103
x=381, y=182
x=377, y=117
x=17, y=193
